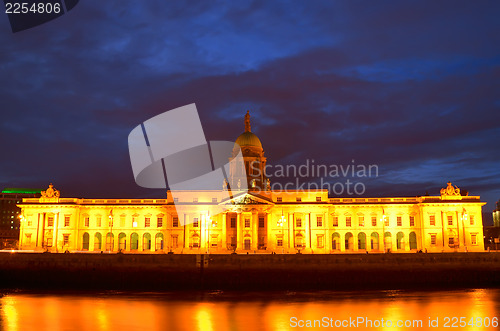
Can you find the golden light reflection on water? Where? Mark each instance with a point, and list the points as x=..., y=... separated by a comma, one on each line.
x=261, y=311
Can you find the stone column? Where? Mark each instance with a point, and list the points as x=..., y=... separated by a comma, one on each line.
x=238, y=230
x=307, y=235
x=255, y=225
x=186, y=231
x=224, y=231
x=270, y=233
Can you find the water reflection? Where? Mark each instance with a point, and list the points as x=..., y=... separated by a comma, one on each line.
x=240, y=311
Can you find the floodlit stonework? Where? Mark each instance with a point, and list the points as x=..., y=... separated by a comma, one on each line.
x=259, y=220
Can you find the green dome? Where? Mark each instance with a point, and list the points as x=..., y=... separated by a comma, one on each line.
x=248, y=139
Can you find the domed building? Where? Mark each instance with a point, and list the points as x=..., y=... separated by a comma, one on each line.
x=254, y=160
x=249, y=216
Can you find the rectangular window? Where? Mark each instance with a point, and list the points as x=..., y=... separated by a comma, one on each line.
x=451, y=241
x=147, y=222
x=247, y=222
x=399, y=221
x=176, y=200
x=66, y=221
x=110, y=223
x=49, y=242
x=319, y=221
x=214, y=240
x=175, y=241
x=29, y=222
x=298, y=222
x=86, y=221
x=318, y=199
x=195, y=199
x=473, y=239
x=261, y=222
x=320, y=241
x=471, y=219
x=298, y=199
x=159, y=222
x=279, y=199
x=233, y=222
x=279, y=242
x=65, y=239
x=50, y=221
x=433, y=239
x=361, y=221
x=233, y=242
x=432, y=220
x=195, y=222
x=335, y=221
x=348, y=221
x=450, y=220
x=214, y=200
x=98, y=221
x=374, y=220
x=386, y=220
x=412, y=220
x=175, y=222
x=28, y=239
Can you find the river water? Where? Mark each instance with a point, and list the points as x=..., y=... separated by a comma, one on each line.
x=476, y=309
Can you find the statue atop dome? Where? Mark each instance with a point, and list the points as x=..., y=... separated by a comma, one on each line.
x=247, y=122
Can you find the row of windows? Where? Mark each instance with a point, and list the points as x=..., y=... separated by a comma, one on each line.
x=278, y=199
x=449, y=218
x=98, y=222
x=452, y=241
x=298, y=221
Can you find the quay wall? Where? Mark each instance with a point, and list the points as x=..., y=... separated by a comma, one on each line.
x=167, y=272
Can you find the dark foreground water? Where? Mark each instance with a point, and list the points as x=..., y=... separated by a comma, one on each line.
x=476, y=309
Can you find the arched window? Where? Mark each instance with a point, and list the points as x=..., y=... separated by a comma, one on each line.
x=159, y=241
x=85, y=241
x=349, y=241
x=122, y=241
x=374, y=241
x=361, y=240
x=146, y=242
x=134, y=241
x=400, y=237
x=387, y=241
x=109, y=241
x=97, y=241
x=336, y=241
x=413, y=240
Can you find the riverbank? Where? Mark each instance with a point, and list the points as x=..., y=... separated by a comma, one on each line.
x=248, y=272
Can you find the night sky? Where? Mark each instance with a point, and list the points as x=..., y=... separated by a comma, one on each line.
x=410, y=86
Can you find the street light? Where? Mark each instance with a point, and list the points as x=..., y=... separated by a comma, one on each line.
x=383, y=219
x=21, y=220
x=111, y=244
x=214, y=224
x=280, y=223
x=464, y=219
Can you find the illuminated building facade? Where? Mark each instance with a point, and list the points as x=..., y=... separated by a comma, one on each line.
x=257, y=220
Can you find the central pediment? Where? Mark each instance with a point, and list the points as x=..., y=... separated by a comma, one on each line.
x=246, y=199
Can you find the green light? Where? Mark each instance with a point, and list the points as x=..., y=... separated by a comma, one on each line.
x=22, y=190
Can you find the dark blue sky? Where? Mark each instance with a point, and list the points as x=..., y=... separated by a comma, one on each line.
x=410, y=86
